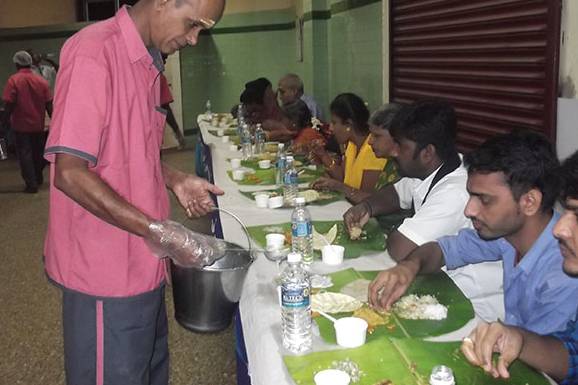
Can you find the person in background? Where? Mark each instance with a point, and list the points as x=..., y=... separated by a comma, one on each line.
x=290, y=89
x=108, y=225
x=513, y=186
x=359, y=169
x=381, y=118
x=260, y=104
x=166, y=100
x=307, y=135
x=555, y=354
x=27, y=98
x=45, y=67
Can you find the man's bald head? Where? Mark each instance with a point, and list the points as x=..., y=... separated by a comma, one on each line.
x=290, y=89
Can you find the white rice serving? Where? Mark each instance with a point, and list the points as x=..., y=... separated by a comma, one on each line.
x=425, y=307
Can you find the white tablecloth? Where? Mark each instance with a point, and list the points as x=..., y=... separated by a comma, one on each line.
x=259, y=308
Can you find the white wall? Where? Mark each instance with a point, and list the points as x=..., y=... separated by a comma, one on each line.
x=567, y=130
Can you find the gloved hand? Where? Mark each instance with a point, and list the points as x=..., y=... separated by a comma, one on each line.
x=185, y=247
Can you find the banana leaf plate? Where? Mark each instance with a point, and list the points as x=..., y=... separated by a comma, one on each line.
x=325, y=197
x=405, y=362
x=267, y=177
x=460, y=309
x=373, y=241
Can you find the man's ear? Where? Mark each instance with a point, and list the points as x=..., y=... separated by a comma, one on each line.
x=428, y=154
x=531, y=202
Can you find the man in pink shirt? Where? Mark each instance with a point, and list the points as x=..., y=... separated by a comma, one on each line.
x=108, y=199
x=27, y=97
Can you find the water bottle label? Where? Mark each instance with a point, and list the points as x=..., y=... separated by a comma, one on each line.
x=301, y=229
x=295, y=298
x=281, y=163
x=290, y=178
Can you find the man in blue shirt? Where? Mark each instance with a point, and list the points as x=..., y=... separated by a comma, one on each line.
x=555, y=355
x=512, y=187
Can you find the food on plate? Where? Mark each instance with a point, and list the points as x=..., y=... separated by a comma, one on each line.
x=350, y=367
x=355, y=233
x=373, y=317
x=384, y=382
x=318, y=238
x=334, y=303
x=358, y=289
x=253, y=178
x=424, y=307
x=309, y=195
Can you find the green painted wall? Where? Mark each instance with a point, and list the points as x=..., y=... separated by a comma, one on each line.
x=342, y=42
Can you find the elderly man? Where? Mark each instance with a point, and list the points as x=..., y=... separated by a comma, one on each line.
x=512, y=187
x=27, y=98
x=557, y=354
x=290, y=89
x=108, y=199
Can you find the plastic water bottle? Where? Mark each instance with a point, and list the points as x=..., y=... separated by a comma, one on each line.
x=295, y=306
x=442, y=375
x=281, y=159
x=290, y=183
x=302, y=231
x=259, y=139
x=208, y=109
x=246, y=143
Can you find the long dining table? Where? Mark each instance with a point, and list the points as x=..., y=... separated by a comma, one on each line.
x=259, y=309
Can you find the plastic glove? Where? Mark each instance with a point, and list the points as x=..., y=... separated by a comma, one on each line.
x=185, y=247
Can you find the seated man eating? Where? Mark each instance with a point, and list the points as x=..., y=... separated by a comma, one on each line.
x=557, y=354
x=421, y=142
x=513, y=187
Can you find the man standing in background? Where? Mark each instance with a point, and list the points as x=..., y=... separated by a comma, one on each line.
x=27, y=97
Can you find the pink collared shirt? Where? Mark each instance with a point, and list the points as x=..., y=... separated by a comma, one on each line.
x=106, y=111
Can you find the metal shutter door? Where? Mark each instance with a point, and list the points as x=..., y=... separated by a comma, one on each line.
x=496, y=61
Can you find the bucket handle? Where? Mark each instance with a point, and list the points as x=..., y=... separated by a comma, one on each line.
x=235, y=217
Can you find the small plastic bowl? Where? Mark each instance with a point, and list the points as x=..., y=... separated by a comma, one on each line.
x=265, y=164
x=238, y=174
x=275, y=241
x=225, y=139
x=220, y=132
x=235, y=163
x=233, y=147
x=262, y=200
x=350, y=332
x=275, y=202
x=332, y=254
x=332, y=377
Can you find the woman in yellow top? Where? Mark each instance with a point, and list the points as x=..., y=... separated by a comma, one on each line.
x=359, y=170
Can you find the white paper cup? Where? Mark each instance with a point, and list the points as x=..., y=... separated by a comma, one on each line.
x=332, y=377
x=332, y=254
x=350, y=332
x=225, y=139
x=238, y=174
x=233, y=147
x=264, y=164
x=262, y=200
x=275, y=202
x=235, y=163
x=220, y=132
x=275, y=241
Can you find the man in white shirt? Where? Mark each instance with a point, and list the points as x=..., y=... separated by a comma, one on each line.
x=290, y=88
x=433, y=184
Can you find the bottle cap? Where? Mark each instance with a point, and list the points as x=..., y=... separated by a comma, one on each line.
x=300, y=200
x=281, y=146
x=293, y=258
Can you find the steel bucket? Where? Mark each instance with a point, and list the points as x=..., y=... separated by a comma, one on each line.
x=206, y=298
